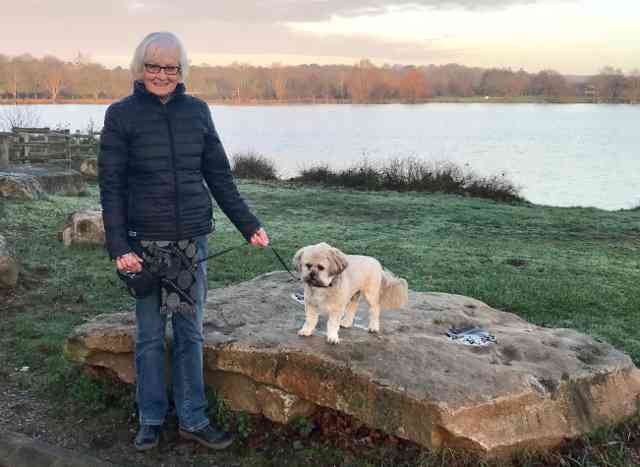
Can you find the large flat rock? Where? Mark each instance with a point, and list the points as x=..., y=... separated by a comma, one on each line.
x=533, y=388
x=55, y=179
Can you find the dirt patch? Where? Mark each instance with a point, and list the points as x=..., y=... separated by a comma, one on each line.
x=109, y=436
x=328, y=438
x=517, y=262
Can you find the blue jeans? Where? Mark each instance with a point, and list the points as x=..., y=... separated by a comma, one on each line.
x=186, y=363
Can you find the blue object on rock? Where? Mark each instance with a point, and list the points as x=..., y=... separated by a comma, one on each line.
x=298, y=297
x=471, y=336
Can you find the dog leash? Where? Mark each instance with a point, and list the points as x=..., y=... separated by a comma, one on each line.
x=220, y=253
x=227, y=250
x=275, y=252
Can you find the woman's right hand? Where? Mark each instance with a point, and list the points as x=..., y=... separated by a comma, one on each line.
x=129, y=262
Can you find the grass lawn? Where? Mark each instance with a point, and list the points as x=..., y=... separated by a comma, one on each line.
x=559, y=267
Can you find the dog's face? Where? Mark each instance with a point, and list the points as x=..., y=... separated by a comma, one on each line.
x=319, y=264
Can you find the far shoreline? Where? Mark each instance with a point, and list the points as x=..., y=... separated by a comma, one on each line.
x=271, y=102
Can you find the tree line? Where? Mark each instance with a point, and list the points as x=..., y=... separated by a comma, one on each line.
x=25, y=77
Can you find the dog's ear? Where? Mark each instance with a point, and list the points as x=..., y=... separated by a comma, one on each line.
x=337, y=262
x=296, y=261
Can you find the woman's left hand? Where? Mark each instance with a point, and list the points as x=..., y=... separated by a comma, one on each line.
x=260, y=238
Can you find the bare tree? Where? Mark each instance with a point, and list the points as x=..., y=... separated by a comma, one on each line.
x=279, y=81
x=632, y=87
x=548, y=83
x=361, y=81
x=53, y=75
x=609, y=84
x=18, y=116
x=413, y=85
x=502, y=82
x=27, y=76
x=5, y=75
x=89, y=79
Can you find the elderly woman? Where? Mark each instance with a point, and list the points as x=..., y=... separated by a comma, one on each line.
x=158, y=149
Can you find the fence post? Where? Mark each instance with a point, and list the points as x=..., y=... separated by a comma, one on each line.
x=4, y=150
x=25, y=136
x=67, y=140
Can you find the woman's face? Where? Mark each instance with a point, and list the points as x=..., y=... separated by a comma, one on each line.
x=163, y=82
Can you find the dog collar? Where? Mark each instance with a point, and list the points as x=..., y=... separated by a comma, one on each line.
x=321, y=286
x=324, y=286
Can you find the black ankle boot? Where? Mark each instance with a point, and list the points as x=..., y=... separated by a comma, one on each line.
x=148, y=437
x=209, y=437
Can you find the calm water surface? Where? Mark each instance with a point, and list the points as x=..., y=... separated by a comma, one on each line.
x=561, y=155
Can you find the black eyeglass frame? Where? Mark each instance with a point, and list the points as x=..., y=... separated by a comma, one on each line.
x=171, y=70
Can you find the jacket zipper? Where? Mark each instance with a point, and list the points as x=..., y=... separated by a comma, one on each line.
x=175, y=173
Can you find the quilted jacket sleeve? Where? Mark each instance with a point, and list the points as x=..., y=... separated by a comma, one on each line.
x=112, y=177
x=217, y=173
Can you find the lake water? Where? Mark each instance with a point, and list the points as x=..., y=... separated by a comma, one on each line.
x=561, y=155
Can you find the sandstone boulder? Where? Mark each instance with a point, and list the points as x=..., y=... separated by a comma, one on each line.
x=83, y=227
x=8, y=266
x=532, y=388
x=20, y=186
x=53, y=178
x=88, y=167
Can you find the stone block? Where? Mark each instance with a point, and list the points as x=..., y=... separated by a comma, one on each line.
x=84, y=226
x=532, y=389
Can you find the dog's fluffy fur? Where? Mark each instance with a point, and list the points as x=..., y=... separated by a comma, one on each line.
x=334, y=281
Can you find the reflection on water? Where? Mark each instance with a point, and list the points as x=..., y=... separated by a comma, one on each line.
x=561, y=155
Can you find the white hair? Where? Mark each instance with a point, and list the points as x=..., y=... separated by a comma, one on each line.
x=163, y=40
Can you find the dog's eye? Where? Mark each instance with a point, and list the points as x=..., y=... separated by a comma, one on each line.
x=320, y=267
x=308, y=265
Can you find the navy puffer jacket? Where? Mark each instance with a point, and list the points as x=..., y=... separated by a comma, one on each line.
x=154, y=160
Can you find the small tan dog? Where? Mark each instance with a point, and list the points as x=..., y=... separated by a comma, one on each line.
x=334, y=281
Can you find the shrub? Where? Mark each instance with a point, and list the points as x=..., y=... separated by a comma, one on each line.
x=243, y=425
x=320, y=173
x=18, y=116
x=496, y=187
x=220, y=414
x=362, y=175
x=92, y=392
x=302, y=426
x=253, y=166
x=413, y=174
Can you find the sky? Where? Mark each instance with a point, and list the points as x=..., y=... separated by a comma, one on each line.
x=570, y=36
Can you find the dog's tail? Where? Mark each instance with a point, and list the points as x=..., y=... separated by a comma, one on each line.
x=394, y=291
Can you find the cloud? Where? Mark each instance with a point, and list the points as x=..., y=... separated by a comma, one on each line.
x=243, y=11
x=270, y=38
x=275, y=11
x=248, y=28
x=238, y=26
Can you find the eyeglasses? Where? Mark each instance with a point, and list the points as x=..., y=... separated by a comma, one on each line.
x=154, y=69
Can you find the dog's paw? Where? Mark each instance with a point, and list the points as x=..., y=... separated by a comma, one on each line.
x=333, y=339
x=346, y=324
x=374, y=329
x=305, y=332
